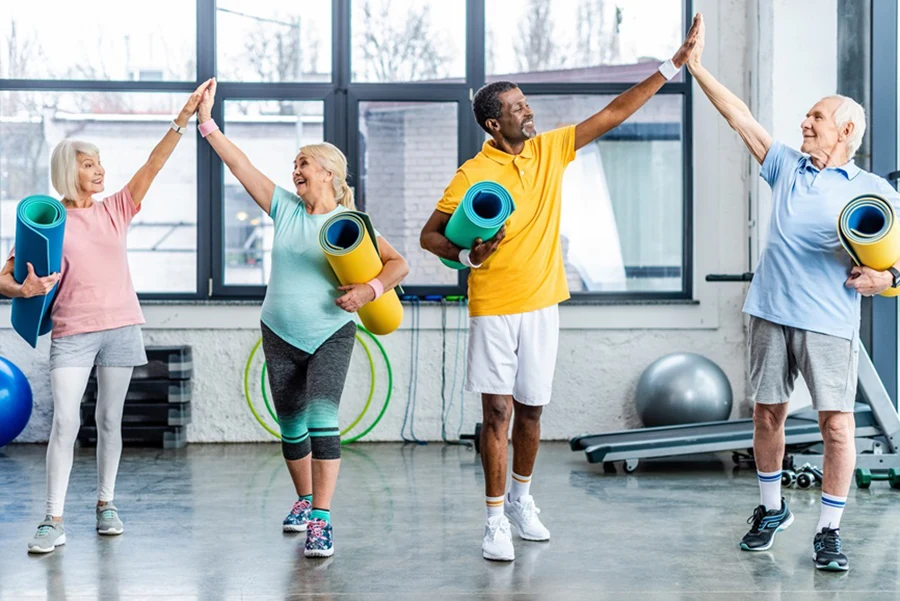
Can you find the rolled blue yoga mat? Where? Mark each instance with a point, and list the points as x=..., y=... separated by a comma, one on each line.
x=481, y=213
x=40, y=225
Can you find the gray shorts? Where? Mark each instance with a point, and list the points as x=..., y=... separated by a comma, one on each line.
x=119, y=347
x=828, y=364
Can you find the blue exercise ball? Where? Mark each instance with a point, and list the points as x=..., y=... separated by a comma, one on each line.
x=683, y=388
x=15, y=401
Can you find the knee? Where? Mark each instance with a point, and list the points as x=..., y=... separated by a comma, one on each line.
x=768, y=419
x=497, y=412
x=65, y=429
x=108, y=422
x=326, y=447
x=528, y=414
x=838, y=430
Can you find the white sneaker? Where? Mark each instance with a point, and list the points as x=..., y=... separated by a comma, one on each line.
x=498, y=544
x=523, y=514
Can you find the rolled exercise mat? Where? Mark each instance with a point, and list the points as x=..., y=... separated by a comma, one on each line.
x=481, y=213
x=40, y=225
x=868, y=230
x=348, y=240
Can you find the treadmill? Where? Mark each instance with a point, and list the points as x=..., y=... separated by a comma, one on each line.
x=877, y=431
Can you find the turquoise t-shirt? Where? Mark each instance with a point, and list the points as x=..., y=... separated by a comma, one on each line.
x=299, y=305
x=799, y=281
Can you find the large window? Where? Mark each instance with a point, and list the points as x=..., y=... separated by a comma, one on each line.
x=387, y=81
x=162, y=241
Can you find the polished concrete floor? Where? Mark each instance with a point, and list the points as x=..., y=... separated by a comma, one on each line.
x=205, y=523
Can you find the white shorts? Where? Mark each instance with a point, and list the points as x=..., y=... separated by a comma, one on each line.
x=514, y=355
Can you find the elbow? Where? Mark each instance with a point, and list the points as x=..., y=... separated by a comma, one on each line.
x=403, y=269
x=423, y=240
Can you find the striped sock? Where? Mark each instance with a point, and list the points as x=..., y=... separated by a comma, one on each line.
x=832, y=509
x=320, y=514
x=770, y=489
x=519, y=487
x=493, y=506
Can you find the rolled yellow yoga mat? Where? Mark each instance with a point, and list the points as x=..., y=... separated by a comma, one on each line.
x=348, y=240
x=868, y=230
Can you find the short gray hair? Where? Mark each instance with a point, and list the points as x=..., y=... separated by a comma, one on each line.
x=850, y=111
x=64, y=165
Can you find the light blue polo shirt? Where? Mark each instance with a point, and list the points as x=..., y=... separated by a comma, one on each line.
x=799, y=281
x=299, y=305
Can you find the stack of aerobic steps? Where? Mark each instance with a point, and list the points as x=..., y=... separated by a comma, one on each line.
x=158, y=403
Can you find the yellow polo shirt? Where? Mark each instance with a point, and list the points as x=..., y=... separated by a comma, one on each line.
x=526, y=273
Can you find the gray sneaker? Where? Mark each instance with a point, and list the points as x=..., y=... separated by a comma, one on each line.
x=108, y=521
x=49, y=535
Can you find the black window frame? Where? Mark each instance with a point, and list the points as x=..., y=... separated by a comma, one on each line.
x=341, y=97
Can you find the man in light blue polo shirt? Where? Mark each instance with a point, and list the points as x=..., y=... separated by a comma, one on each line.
x=804, y=302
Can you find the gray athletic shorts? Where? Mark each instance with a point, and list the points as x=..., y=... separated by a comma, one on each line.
x=828, y=364
x=119, y=347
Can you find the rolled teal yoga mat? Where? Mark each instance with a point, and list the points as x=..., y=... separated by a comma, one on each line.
x=40, y=225
x=481, y=213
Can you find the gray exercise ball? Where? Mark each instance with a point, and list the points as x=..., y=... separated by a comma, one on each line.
x=683, y=388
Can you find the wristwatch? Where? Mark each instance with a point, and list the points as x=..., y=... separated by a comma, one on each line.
x=896, y=274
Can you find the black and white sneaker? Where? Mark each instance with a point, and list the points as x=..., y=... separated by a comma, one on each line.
x=827, y=548
x=764, y=525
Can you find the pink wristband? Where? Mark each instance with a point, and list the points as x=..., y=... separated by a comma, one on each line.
x=207, y=128
x=377, y=286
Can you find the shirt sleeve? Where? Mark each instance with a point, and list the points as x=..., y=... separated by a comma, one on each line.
x=454, y=193
x=121, y=209
x=890, y=193
x=779, y=160
x=559, y=143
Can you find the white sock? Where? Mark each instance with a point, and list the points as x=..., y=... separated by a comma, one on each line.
x=519, y=487
x=832, y=509
x=769, y=489
x=493, y=506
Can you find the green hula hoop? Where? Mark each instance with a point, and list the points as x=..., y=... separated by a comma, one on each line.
x=355, y=438
x=390, y=388
x=262, y=423
x=262, y=385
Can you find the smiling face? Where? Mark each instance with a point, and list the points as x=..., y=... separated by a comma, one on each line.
x=310, y=178
x=91, y=174
x=821, y=135
x=516, y=122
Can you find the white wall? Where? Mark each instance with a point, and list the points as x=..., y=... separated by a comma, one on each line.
x=603, y=349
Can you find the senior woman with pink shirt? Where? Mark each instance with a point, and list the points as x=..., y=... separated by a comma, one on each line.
x=96, y=317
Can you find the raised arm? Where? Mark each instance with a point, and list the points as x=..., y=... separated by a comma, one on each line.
x=258, y=186
x=141, y=181
x=735, y=111
x=625, y=105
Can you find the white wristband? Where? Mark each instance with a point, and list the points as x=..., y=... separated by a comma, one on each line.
x=465, y=260
x=176, y=128
x=668, y=69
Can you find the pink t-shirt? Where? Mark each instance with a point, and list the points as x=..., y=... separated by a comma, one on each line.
x=95, y=289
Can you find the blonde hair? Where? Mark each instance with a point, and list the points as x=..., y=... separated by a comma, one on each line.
x=64, y=165
x=333, y=160
x=850, y=111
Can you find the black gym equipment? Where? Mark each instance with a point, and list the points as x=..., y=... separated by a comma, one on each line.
x=877, y=434
x=157, y=407
x=877, y=431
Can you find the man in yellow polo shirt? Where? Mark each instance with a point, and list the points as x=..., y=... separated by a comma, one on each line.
x=517, y=281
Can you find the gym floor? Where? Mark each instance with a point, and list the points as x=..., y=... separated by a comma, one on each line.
x=204, y=523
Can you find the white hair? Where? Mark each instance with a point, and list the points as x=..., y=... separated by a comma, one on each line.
x=64, y=165
x=850, y=111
